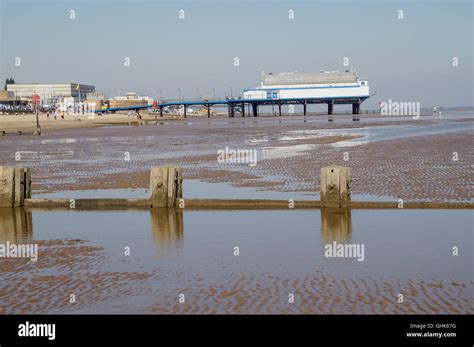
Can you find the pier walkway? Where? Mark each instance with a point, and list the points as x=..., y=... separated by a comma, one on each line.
x=236, y=106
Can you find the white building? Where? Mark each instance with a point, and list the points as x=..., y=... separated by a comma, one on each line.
x=134, y=97
x=331, y=85
x=51, y=91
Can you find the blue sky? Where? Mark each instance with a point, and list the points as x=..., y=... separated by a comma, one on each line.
x=406, y=60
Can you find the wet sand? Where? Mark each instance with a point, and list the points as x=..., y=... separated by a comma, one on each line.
x=175, y=252
x=416, y=168
x=71, y=267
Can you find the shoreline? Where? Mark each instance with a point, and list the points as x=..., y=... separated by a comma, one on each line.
x=12, y=124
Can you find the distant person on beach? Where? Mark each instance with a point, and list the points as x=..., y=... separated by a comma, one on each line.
x=139, y=116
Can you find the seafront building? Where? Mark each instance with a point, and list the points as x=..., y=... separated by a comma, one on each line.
x=131, y=99
x=49, y=92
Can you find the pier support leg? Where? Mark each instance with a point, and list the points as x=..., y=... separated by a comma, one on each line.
x=356, y=108
x=231, y=110
x=255, y=109
x=243, y=109
x=161, y=112
x=165, y=186
x=208, y=111
x=304, y=108
x=335, y=187
x=355, y=111
x=330, y=108
x=185, y=109
x=279, y=109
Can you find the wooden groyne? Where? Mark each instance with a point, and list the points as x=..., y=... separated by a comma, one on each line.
x=166, y=191
x=228, y=204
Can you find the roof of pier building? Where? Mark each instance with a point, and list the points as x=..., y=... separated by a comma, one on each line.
x=304, y=78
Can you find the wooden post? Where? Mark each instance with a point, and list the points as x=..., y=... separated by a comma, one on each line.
x=7, y=186
x=27, y=187
x=15, y=186
x=19, y=187
x=335, y=186
x=165, y=186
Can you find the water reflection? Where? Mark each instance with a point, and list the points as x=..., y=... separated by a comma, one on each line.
x=167, y=229
x=336, y=225
x=16, y=225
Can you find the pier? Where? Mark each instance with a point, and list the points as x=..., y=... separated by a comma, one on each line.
x=237, y=106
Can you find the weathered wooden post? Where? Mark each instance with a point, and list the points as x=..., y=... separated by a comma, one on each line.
x=7, y=186
x=165, y=186
x=27, y=176
x=335, y=186
x=15, y=186
x=22, y=185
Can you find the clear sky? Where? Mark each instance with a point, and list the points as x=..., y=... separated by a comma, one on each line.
x=408, y=59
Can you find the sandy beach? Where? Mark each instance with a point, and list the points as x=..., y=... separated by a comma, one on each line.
x=291, y=152
x=78, y=270
x=27, y=123
x=389, y=159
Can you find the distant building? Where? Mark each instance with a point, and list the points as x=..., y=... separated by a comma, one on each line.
x=96, y=96
x=6, y=95
x=53, y=91
x=130, y=100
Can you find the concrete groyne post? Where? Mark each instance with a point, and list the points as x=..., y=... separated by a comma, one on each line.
x=335, y=186
x=165, y=186
x=15, y=186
